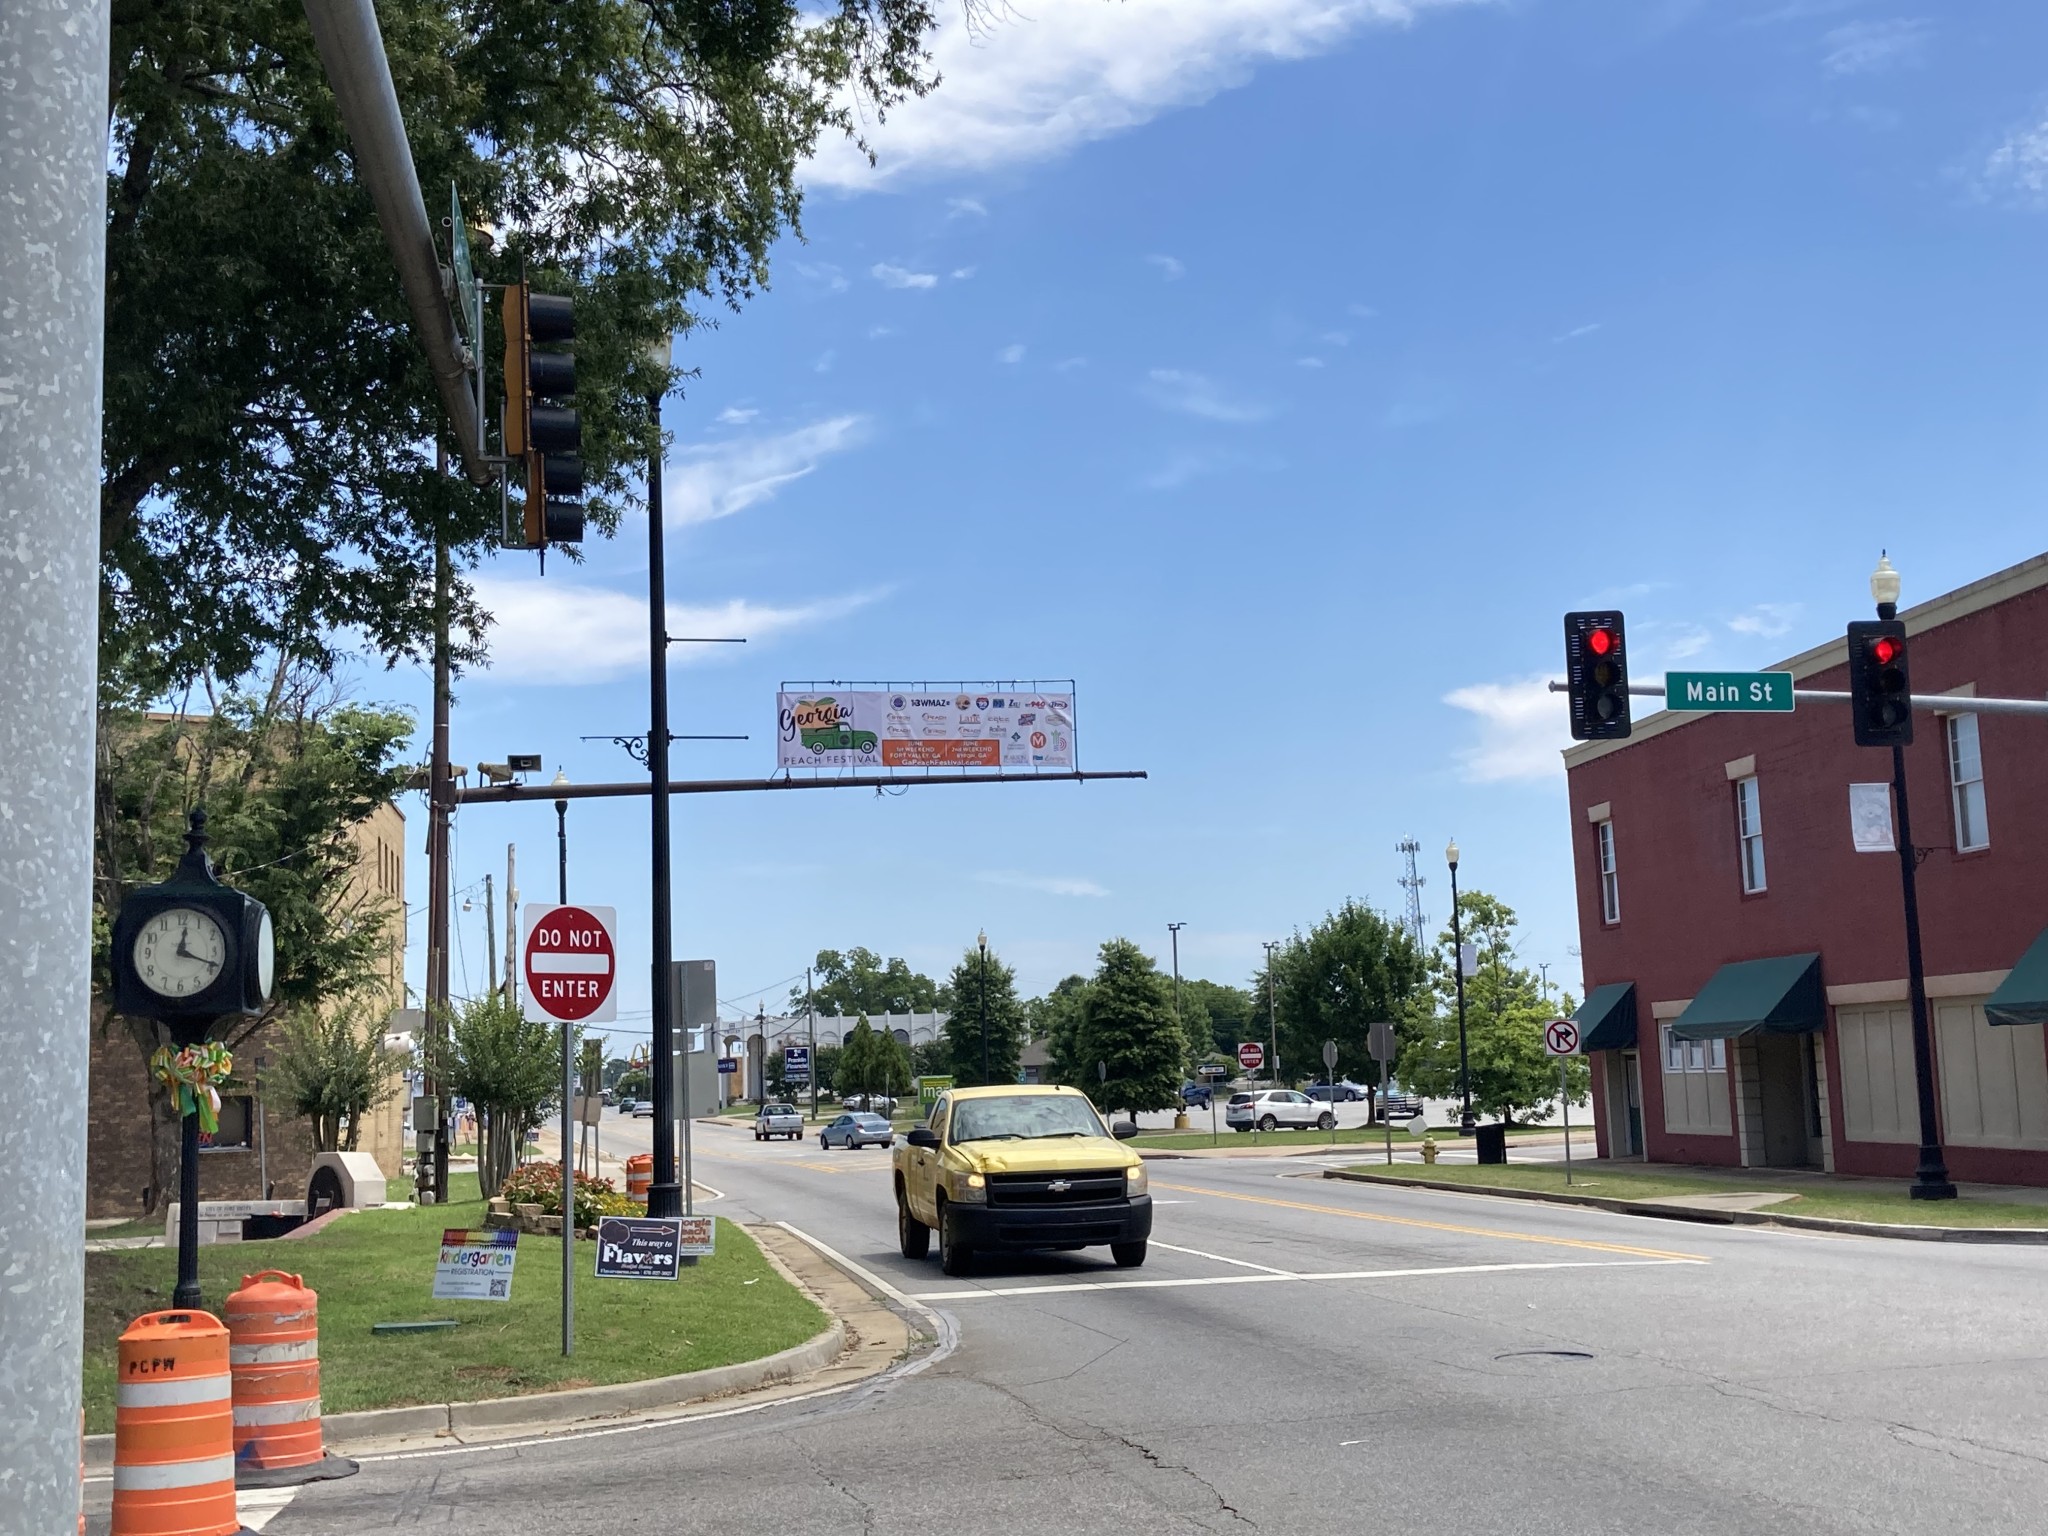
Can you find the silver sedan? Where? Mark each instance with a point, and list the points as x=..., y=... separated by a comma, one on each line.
x=857, y=1131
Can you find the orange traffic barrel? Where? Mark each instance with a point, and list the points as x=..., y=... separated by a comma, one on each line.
x=640, y=1175
x=174, y=1454
x=274, y=1353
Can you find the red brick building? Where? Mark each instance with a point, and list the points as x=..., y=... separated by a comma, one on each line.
x=1746, y=965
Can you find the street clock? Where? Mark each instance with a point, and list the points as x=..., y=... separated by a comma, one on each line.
x=192, y=950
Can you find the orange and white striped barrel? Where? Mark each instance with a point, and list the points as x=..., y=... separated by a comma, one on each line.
x=174, y=1454
x=639, y=1175
x=274, y=1352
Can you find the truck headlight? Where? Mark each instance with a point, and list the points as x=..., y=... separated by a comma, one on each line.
x=1136, y=1180
x=970, y=1189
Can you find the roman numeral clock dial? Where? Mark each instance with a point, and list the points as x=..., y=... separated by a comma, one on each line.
x=180, y=952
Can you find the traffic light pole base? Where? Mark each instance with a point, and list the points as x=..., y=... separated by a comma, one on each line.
x=1933, y=1190
x=665, y=1200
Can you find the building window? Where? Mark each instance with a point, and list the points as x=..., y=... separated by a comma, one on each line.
x=1694, y=1055
x=236, y=1122
x=1610, y=884
x=1966, y=783
x=1749, y=832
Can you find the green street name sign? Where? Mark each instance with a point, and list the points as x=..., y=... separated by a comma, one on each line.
x=1750, y=692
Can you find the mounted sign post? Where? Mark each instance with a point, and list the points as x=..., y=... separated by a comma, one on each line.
x=1561, y=1039
x=1379, y=1039
x=569, y=956
x=1330, y=1071
x=1251, y=1055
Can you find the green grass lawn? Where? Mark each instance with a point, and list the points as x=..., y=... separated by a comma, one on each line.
x=1846, y=1200
x=1181, y=1141
x=152, y=1226
x=378, y=1266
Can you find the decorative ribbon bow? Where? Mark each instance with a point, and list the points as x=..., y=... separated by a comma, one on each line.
x=190, y=1075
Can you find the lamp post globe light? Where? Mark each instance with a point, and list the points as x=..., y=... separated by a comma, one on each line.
x=1465, y=1121
x=1930, y=1178
x=981, y=942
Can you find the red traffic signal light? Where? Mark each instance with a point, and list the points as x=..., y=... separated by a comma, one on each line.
x=1596, y=675
x=1884, y=650
x=1880, y=692
x=1599, y=641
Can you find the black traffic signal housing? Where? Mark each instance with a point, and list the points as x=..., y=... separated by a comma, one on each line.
x=1596, y=675
x=543, y=436
x=1880, y=688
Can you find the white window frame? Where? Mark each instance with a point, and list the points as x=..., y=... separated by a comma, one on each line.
x=1610, y=880
x=1749, y=834
x=1972, y=827
x=1693, y=1055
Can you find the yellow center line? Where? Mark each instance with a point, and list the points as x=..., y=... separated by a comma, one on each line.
x=1435, y=1226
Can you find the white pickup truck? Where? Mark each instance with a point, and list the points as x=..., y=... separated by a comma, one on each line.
x=778, y=1120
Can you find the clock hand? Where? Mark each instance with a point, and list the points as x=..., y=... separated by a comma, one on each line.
x=181, y=951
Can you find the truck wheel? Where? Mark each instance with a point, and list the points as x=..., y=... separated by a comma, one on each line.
x=913, y=1237
x=1128, y=1255
x=759, y=1136
x=955, y=1257
x=1326, y=1121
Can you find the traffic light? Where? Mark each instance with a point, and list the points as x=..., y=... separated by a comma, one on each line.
x=1596, y=675
x=542, y=435
x=1880, y=691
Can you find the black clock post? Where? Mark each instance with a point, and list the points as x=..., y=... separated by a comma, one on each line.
x=189, y=953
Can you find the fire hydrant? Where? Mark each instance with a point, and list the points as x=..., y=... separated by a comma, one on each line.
x=1428, y=1148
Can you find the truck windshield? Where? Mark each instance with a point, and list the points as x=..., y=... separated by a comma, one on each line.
x=1027, y=1117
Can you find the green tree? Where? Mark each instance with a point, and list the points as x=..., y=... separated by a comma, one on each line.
x=1056, y=1019
x=859, y=981
x=631, y=1084
x=978, y=985
x=268, y=475
x=333, y=1068
x=1127, y=1025
x=1351, y=970
x=931, y=1058
x=1227, y=1010
x=1505, y=1012
x=509, y=1067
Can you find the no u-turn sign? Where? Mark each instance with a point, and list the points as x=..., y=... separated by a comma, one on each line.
x=570, y=964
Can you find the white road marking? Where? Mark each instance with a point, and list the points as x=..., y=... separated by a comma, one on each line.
x=258, y=1507
x=1283, y=1276
x=1291, y=1274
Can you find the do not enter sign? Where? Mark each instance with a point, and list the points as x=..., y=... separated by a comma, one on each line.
x=570, y=964
x=1251, y=1055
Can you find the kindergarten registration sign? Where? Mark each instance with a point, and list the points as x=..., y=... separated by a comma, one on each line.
x=475, y=1266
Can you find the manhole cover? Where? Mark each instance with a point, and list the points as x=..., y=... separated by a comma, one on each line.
x=1545, y=1354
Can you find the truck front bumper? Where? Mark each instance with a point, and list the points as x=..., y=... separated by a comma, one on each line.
x=1052, y=1226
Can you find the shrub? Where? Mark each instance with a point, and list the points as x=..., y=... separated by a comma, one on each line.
x=541, y=1184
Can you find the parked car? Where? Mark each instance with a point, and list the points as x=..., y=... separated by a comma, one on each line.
x=1275, y=1109
x=857, y=1131
x=778, y=1120
x=1346, y=1092
x=869, y=1103
x=1195, y=1095
x=1400, y=1106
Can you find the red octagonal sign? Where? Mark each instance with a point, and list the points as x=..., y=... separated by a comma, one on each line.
x=570, y=964
x=1251, y=1055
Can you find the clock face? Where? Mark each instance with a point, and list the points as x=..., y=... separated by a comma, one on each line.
x=266, y=958
x=179, y=952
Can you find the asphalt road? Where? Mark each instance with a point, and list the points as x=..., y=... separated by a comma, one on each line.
x=1301, y=1354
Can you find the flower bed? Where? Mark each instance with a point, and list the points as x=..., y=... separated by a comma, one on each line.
x=541, y=1184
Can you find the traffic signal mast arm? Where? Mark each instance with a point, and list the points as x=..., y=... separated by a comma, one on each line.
x=1930, y=703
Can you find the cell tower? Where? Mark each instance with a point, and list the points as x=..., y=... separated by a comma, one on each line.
x=1412, y=883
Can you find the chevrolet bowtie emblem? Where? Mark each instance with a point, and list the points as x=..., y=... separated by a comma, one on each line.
x=1059, y=1186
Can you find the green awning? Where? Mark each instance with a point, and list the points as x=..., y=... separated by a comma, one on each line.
x=2022, y=998
x=1779, y=996
x=1607, y=1019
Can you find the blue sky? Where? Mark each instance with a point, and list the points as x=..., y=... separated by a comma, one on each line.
x=1280, y=370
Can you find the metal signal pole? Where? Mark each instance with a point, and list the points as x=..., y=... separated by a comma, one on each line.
x=665, y=1196
x=1272, y=1013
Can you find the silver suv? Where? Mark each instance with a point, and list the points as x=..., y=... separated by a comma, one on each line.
x=1276, y=1109
x=778, y=1120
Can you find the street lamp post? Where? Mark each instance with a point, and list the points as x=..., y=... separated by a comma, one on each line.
x=1466, y=1123
x=1272, y=1014
x=1930, y=1179
x=665, y=1194
x=571, y=1125
x=981, y=939
x=561, y=843
x=1180, y=1113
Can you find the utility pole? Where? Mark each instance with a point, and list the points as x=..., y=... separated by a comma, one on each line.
x=1272, y=1012
x=1412, y=883
x=665, y=1195
x=1180, y=1114
x=53, y=180
x=491, y=933
x=811, y=1011
x=1466, y=1123
x=439, y=783
x=511, y=926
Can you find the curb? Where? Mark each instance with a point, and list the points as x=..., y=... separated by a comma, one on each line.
x=562, y=1409
x=1914, y=1233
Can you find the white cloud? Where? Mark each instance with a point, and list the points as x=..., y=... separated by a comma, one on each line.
x=1050, y=885
x=1170, y=267
x=1361, y=311
x=714, y=480
x=961, y=274
x=1766, y=620
x=1194, y=395
x=825, y=361
x=892, y=276
x=822, y=272
x=1522, y=728
x=737, y=415
x=2019, y=166
x=555, y=632
x=1069, y=364
x=878, y=332
x=1686, y=642
x=1336, y=338
x=1013, y=353
x=1037, y=81
x=1577, y=331
x=1871, y=47
x=1308, y=362
x=966, y=208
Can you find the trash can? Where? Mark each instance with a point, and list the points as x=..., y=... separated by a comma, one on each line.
x=1492, y=1142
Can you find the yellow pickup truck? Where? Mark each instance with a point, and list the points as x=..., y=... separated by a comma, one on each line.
x=1019, y=1167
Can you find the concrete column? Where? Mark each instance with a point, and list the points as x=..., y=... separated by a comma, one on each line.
x=53, y=126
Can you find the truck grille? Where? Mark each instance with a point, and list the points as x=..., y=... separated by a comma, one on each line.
x=1091, y=1188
